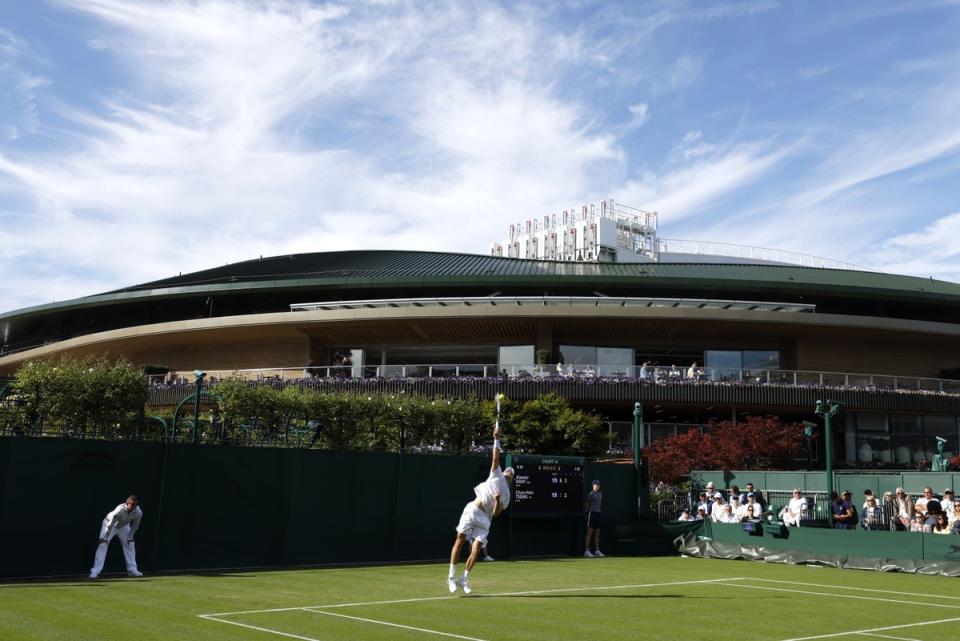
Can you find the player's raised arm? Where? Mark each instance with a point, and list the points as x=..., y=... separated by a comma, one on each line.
x=495, y=463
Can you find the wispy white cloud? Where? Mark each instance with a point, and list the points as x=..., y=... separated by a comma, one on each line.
x=812, y=72
x=261, y=129
x=934, y=250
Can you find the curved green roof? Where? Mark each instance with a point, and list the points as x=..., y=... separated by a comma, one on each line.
x=386, y=269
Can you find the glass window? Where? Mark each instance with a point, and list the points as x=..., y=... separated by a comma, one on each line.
x=723, y=365
x=614, y=361
x=907, y=436
x=516, y=358
x=578, y=355
x=873, y=439
x=763, y=359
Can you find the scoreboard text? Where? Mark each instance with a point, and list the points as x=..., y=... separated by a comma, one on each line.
x=548, y=485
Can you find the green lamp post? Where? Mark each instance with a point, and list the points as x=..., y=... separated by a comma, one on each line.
x=827, y=411
x=198, y=382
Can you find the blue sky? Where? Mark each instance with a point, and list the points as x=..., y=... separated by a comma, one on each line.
x=143, y=139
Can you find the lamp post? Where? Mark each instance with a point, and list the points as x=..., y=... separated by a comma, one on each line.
x=637, y=433
x=827, y=411
x=198, y=382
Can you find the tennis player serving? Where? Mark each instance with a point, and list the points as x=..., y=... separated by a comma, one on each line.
x=492, y=498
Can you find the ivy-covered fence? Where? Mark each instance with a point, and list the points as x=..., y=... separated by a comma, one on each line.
x=97, y=398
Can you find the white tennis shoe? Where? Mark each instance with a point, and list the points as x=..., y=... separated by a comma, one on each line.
x=452, y=584
x=465, y=584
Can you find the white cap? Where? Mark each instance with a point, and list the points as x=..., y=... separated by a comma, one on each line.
x=718, y=495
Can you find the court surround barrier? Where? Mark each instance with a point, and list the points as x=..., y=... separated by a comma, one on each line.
x=219, y=507
x=884, y=551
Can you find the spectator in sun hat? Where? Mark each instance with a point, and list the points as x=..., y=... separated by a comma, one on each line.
x=947, y=499
x=718, y=505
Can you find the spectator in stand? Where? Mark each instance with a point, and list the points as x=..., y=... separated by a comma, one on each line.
x=917, y=524
x=953, y=513
x=686, y=516
x=871, y=514
x=759, y=495
x=843, y=513
x=933, y=511
x=903, y=505
x=867, y=495
x=920, y=506
x=704, y=503
x=889, y=510
x=947, y=501
x=734, y=491
x=751, y=506
x=711, y=490
x=692, y=372
x=674, y=373
x=728, y=515
x=942, y=524
x=645, y=371
x=751, y=512
x=735, y=503
x=792, y=512
x=702, y=513
x=718, y=505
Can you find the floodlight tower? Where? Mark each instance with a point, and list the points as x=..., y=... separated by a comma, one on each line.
x=827, y=411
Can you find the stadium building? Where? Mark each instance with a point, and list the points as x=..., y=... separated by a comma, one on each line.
x=590, y=303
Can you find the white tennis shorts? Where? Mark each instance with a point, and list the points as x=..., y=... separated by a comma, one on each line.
x=474, y=522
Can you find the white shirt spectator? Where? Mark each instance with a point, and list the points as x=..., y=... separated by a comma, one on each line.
x=792, y=513
x=727, y=515
x=686, y=516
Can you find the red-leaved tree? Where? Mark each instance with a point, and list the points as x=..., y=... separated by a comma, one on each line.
x=754, y=444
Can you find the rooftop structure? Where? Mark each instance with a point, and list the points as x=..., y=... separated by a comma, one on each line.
x=611, y=232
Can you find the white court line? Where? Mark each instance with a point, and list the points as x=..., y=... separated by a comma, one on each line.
x=499, y=594
x=843, y=596
x=844, y=587
x=254, y=627
x=392, y=625
x=889, y=627
x=885, y=636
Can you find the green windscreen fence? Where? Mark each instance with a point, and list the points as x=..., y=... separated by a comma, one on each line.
x=222, y=507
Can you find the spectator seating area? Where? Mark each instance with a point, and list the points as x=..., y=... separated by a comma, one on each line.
x=895, y=510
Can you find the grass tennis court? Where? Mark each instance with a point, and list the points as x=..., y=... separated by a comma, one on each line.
x=612, y=599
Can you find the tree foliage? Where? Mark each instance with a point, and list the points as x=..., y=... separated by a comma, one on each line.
x=358, y=422
x=80, y=396
x=756, y=443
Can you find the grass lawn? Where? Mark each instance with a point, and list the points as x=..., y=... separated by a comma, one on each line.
x=611, y=599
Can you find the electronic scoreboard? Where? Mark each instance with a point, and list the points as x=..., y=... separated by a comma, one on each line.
x=547, y=485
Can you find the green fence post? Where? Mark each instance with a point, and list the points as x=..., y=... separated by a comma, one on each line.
x=828, y=411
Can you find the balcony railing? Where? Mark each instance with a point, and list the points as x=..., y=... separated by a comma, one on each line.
x=590, y=373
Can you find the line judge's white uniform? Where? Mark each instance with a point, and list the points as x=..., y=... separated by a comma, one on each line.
x=475, y=521
x=123, y=525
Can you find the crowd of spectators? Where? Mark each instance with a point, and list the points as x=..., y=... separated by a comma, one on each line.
x=895, y=510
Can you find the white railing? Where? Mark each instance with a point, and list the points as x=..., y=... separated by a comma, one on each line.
x=586, y=373
x=729, y=250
